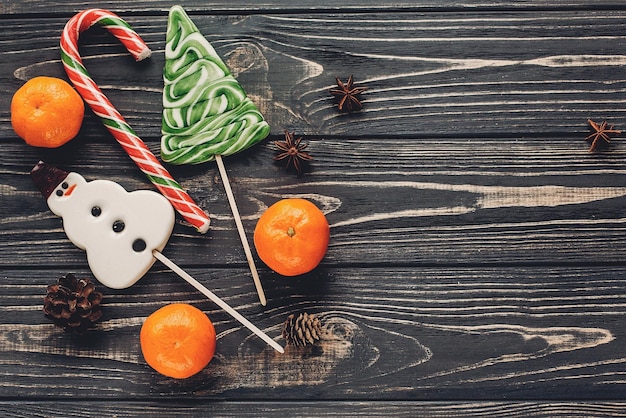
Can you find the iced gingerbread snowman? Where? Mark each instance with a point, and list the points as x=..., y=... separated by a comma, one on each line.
x=122, y=232
x=119, y=230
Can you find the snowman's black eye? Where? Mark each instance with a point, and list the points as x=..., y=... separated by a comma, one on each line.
x=139, y=245
x=59, y=193
x=96, y=211
x=64, y=185
x=118, y=226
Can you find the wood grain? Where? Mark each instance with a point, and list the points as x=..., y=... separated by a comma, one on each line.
x=159, y=7
x=415, y=203
x=429, y=75
x=319, y=409
x=417, y=333
x=476, y=264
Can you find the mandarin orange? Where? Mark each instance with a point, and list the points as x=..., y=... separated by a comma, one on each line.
x=178, y=340
x=46, y=112
x=292, y=236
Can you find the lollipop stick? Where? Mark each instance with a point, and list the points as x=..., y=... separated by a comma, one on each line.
x=242, y=233
x=163, y=259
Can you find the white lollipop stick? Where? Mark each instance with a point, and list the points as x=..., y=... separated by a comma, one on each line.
x=163, y=259
x=242, y=233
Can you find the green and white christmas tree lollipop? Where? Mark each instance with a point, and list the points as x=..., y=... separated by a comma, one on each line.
x=206, y=112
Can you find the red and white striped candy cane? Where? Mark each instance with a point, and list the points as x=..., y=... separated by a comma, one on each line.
x=112, y=119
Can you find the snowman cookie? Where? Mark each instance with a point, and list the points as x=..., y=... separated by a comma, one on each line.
x=119, y=230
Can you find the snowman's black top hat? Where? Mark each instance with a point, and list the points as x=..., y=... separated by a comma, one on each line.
x=47, y=177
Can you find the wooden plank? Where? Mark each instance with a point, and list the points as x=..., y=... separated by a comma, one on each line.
x=490, y=334
x=397, y=409
x=35, y=7
x=413, y=202
x=429, y=74
x=477, y=247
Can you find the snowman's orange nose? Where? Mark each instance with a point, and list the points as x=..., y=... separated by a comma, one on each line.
x=69, y=190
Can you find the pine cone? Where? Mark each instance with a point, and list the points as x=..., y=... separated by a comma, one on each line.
x=72, y=304
x=302, y=329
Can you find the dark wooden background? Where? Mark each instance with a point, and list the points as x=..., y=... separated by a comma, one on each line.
x=477, y=255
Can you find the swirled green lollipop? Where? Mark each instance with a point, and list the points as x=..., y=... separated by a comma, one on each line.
x=206, y=112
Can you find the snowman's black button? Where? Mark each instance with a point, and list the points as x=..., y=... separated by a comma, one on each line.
x=96, y=211
x=139, y=245
x=118, y=226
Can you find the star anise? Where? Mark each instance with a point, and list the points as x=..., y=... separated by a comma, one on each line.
x=602, y=131
x=293, y=151
x=346, y=94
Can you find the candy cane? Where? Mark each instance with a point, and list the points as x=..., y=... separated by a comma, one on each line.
x=112, y=119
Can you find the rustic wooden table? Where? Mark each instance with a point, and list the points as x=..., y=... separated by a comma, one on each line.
x=477, y=255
